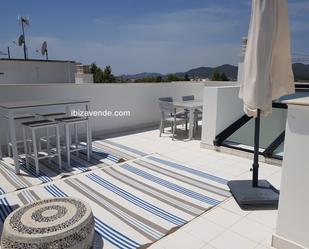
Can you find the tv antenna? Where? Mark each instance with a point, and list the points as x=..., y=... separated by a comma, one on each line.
x=22, y=40
x=8, y=53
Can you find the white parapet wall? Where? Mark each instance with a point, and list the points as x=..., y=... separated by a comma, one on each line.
x=292, y=230
x=140, y=99
x=221, y=108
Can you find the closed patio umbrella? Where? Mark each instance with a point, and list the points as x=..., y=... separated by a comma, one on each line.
x=268, y=75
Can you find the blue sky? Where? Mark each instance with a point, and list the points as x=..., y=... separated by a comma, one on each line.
x=141, y=35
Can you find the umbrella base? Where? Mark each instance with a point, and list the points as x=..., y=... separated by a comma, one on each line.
x=248, y=197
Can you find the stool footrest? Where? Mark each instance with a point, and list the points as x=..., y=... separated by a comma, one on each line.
x=45, y=155
x=73, y=148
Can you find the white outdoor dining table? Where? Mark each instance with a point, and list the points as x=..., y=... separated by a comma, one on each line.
x=190, y=106
x=9, y=110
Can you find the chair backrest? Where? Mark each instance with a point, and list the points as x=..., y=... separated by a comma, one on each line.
x=166, y=106
x=188, y=98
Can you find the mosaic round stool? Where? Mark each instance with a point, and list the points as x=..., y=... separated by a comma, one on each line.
x=52, y=223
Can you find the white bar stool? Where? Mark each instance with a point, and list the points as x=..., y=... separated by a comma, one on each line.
x=18, y=124
x=18, y=120
x=49, y=116
x=34, y=127
x=76, y=147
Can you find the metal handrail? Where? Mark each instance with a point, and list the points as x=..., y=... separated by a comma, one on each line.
x=268, y=152
x=220, y=138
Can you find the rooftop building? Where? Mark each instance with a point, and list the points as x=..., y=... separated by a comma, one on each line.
x=83, y=74
x=19, y=71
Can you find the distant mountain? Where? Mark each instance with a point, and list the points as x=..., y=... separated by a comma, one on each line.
x=206, y=72
x=229, y=70
x=301, y=73
x=140, y=76
x=200, y=72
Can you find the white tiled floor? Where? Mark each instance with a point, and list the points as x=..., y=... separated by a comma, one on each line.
x=225, y=226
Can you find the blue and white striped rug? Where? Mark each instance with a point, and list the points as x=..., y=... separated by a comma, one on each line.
x=135, y=203
x=105, y=153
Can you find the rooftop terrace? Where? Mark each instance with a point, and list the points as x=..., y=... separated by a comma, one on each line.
x=147, y=190
x=220, y=225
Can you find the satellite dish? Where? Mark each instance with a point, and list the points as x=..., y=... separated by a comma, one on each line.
x=21, y=40
x=44, y=48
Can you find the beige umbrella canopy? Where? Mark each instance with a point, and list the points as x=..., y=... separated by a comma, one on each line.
x=267, y=76
x=268, y=71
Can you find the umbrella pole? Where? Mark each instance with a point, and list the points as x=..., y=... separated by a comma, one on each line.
x=255, y=166
x=255, y=193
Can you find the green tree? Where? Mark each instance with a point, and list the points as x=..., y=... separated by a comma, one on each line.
x=187, y=77
x=107, y=76
x=224, y=77
x=172, y=77
x=149, y=80
x=100, y=76
x=218, y=76
x=97, y=73
x=159, y=79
